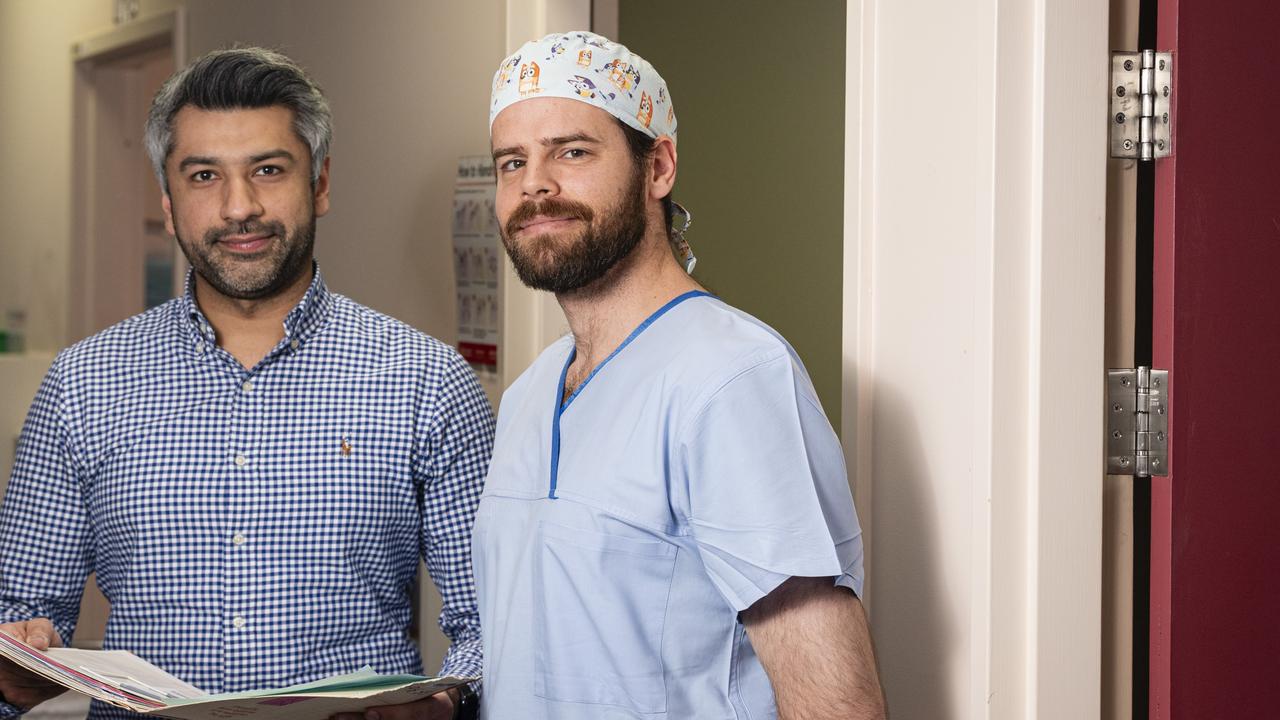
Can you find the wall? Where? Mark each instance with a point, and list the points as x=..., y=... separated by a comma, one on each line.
x=761, y=138
x=35, y=132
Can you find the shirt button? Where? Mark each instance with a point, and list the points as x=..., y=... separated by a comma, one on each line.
x=200, y=349
x=237, y=539
x=247, y=386
x=238, y=622
x=241, y=460
x=293, y=344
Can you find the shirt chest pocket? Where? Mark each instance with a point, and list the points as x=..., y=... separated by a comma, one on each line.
x=600, y=610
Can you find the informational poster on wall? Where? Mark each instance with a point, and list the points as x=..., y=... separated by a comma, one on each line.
x=477, y=258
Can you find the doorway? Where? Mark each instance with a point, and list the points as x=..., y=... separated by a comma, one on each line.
x=122, y=261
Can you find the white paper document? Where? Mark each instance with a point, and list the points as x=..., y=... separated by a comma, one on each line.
x=125, y=680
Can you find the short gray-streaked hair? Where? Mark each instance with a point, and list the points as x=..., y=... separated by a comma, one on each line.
x=240, y=78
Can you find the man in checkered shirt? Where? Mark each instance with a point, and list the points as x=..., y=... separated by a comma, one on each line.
x=252, y=469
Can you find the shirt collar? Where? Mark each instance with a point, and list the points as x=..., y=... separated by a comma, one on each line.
x=301, y=324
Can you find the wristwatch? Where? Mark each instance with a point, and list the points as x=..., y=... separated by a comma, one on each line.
x=467, y=706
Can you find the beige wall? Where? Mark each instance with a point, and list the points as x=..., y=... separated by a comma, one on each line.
x=35, y=138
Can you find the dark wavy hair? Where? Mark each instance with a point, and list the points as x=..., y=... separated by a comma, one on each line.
x=240, y=78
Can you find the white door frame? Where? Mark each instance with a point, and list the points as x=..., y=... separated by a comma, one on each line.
x=973, y=337
x=532, y=319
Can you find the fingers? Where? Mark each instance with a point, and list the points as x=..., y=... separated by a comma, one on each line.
x=37, y=633
x=18, y=685
x=436, y=707
x=41, y=635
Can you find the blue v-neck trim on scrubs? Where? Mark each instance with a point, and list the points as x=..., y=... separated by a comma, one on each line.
x=573, y=352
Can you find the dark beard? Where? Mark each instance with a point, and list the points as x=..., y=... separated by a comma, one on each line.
x=295, y=261
x=563, y=266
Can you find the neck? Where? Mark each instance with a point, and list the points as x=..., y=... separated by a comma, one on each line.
x=248, y=329
x=604, y=313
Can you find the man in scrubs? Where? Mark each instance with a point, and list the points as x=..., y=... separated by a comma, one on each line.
x=666, y=529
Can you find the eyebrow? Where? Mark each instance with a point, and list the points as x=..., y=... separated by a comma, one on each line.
x=548, y=142
x=208, y=160
x=272, y=154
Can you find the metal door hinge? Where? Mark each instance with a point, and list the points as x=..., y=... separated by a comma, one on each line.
x=1141, y=90
x=1138, y=422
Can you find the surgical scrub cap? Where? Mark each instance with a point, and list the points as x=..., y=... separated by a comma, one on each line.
x=587, y=67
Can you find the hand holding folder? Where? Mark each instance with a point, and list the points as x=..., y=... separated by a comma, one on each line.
x=125, y=680
x=19, y=686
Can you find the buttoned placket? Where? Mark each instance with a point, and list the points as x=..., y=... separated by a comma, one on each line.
x=246, y=470
x=248, y=390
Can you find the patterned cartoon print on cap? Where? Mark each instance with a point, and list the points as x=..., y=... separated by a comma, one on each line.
x=586, y=67
x=586, y=88
x=645, y=116
x=529, y=75
x=623, y=76
x=504, y=73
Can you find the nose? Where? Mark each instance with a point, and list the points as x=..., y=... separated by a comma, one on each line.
x=538, y=179
x=240, y=201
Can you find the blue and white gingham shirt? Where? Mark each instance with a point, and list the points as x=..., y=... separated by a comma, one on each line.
x=252, y=528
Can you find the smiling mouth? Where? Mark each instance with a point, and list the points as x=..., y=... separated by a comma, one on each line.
x=245, y=244
x=546, y=223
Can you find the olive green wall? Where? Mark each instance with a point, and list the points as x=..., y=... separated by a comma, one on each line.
x=758, y=89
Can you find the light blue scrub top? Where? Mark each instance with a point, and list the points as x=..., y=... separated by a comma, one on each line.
x=621, y=533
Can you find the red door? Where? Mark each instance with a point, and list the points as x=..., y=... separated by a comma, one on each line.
x=1215, y=562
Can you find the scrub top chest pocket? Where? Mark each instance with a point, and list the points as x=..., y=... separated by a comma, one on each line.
x=600, y=604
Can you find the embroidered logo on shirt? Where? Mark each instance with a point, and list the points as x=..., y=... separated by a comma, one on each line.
x=346, y=446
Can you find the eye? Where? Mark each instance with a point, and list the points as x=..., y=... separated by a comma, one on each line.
x=203, y=176
x=511, y=165
x=269, y=170
x=574, y=153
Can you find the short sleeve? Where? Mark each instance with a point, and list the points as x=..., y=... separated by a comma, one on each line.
x=763, y=479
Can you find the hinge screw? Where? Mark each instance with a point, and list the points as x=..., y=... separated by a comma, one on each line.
x=1156, y=381
x=1119, y=118
x=1166, y=118
x=1124, y=462
x=1160, y=436
x=1166, y=91
x=1117, y=434
x=1124, y=381
x=1128, y=65
x=1155, y=462
x=1161, y=64
x=1160, y=411
x=1160, y=144
x=1119, y=91
x=1117, y=407
x=1128, y=144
